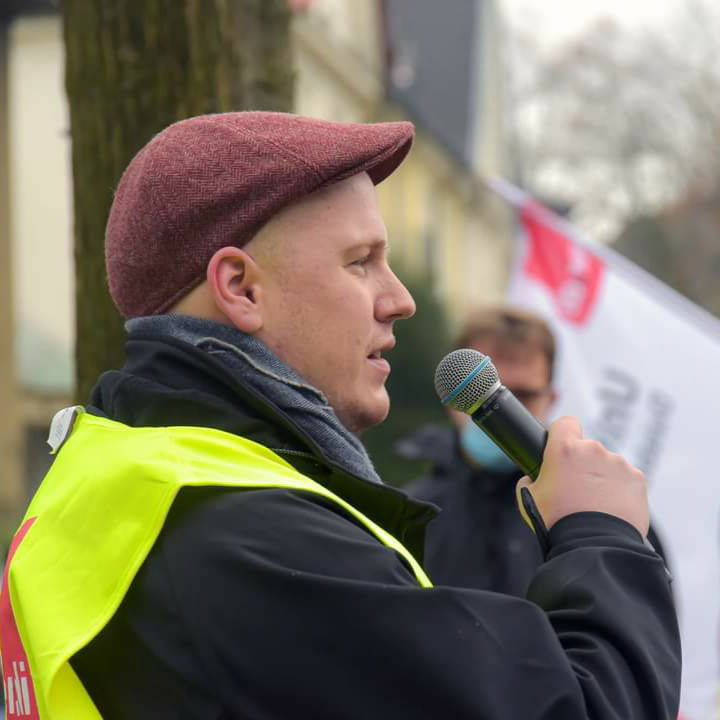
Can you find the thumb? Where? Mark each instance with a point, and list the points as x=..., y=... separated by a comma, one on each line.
x=563, y=429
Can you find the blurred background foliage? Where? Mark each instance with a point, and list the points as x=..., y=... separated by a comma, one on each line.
x=620, y=125
x=421, y=344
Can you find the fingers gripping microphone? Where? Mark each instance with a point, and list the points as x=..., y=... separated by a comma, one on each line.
x=466, y=380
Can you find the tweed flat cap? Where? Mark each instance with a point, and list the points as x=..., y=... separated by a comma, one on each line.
x=215, y=180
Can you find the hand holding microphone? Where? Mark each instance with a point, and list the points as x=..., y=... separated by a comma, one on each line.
x=580, y=475
x=572, y=473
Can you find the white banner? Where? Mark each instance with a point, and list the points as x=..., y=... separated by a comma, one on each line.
x=640, y=366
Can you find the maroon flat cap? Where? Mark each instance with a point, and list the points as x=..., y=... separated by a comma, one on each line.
x=215, y=180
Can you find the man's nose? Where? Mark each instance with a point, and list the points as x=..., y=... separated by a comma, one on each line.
x=396, y=302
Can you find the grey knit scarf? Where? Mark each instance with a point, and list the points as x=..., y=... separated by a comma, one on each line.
x=265, y=372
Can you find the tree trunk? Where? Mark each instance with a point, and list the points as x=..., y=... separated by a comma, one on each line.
x=132, y=68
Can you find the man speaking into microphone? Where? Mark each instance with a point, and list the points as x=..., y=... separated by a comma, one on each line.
x=212, y=540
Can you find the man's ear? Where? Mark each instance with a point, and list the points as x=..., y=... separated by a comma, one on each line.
x=233, y=278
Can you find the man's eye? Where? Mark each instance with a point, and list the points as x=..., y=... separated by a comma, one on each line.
x=360, y=262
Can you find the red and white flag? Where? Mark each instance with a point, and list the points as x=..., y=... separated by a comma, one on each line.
x=639, y=364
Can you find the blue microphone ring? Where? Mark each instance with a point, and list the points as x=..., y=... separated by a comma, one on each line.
x=449, y=398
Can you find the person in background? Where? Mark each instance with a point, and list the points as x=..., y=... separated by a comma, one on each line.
x=479, y=540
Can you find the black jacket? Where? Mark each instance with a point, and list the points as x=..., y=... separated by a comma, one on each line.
x=270, y=604
x=479, y=540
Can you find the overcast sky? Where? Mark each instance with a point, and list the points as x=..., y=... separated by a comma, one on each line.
x=556, y=19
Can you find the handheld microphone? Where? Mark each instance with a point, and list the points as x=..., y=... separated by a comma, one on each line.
x=467, y=380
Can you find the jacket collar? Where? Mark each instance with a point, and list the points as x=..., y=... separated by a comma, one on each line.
x=166, y=381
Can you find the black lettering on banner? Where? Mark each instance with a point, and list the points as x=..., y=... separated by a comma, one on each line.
x=660, y=407
x=618, y=395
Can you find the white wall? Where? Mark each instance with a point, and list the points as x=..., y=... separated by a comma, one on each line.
x=40, y=204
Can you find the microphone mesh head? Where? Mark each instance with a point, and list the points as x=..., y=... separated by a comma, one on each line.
x=454, y=369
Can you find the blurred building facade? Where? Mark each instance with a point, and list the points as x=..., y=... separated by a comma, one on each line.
x=35, y=245
x=413, y=59
x=355, y=61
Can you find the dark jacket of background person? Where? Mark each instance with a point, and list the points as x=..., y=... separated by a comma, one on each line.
x=268, y=604
x=479, y=540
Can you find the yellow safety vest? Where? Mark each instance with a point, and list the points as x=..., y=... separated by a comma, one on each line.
x=88, y=530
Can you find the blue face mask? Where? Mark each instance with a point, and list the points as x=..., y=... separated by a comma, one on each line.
x=483, y=451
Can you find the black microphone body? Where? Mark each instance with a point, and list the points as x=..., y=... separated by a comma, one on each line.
x=514, y=429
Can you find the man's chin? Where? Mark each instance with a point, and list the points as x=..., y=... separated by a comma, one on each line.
x=371, y=423
x=360, y=419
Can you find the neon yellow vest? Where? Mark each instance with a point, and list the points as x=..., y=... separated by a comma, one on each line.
x=88, y=530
